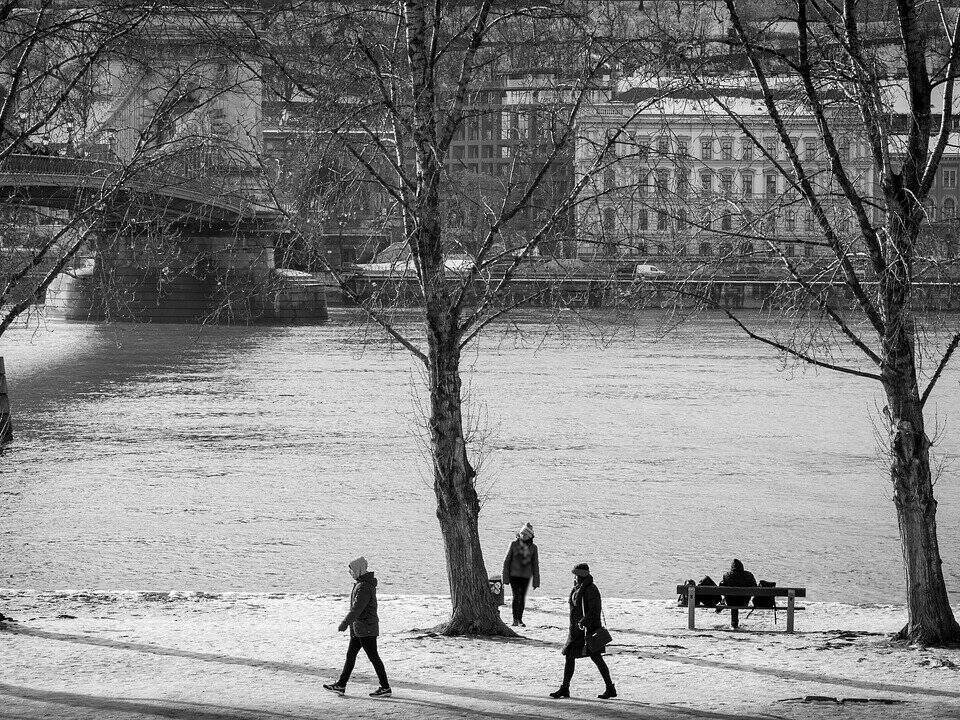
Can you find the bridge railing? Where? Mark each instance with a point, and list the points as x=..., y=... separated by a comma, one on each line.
x=153, y=178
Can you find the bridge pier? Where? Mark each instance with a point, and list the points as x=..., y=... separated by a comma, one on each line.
x=186, y=278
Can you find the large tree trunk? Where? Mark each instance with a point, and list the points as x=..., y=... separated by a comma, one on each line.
x=458, y=507
x=6, y=423
x=930, y=618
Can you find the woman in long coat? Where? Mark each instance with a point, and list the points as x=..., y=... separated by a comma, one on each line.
x=585, y=617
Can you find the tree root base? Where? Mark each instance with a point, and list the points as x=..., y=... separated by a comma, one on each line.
x=459, y=628
x=920, y=637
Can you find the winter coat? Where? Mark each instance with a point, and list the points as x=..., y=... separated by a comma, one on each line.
x=585, y=596
x=522, y=561
x=362, y=618
x=738, y=578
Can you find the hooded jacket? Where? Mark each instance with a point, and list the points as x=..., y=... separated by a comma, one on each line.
x=362, y=618
x=738, y=577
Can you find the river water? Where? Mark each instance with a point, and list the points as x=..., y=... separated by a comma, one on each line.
x=262, y=459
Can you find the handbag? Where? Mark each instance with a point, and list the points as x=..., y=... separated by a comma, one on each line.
x=595, y=640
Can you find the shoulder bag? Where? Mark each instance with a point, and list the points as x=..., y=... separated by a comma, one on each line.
x=597, y=639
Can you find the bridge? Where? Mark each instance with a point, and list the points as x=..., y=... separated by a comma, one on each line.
x=66, y=183
x=217, y=246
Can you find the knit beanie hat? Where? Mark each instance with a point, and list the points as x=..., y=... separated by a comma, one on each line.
x=581, y=570
x=525, y=532
x=359, y=566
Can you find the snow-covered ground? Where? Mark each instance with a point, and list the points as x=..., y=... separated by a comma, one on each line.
x=238, y=657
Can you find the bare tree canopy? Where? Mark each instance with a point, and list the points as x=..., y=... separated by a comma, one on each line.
x=844, y=112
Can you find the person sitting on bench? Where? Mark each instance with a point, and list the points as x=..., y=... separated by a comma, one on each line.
x=737, y=577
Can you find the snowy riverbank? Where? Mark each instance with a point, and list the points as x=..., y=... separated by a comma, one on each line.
x=237, y=657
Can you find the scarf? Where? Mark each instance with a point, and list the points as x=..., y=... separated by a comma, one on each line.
x=525, y=551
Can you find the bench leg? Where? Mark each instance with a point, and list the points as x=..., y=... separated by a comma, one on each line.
x=791, y=600
x=691, y=607
x=734, y=619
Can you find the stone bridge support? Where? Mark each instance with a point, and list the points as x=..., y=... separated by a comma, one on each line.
x=185, y=275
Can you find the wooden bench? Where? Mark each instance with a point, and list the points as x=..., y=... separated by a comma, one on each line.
x=692, y=591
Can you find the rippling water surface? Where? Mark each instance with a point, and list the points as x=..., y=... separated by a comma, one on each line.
x=262, y=459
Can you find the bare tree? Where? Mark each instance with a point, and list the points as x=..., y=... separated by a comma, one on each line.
x=840, y=76
x=387, y=92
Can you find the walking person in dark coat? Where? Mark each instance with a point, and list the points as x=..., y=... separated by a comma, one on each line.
x=585, y=617
x=364, y=625
x=521, y=565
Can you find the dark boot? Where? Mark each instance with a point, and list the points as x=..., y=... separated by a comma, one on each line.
x=563, y=692
x=610, y=692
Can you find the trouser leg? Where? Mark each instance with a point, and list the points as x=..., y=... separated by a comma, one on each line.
x=370, y=648
x=569, y=666
x=602, y=667
x=519, y=587
x=352, y=649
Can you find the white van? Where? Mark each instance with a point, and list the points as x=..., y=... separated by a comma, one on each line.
x=648, y=271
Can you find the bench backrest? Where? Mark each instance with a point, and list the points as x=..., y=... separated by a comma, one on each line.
x=713, y=590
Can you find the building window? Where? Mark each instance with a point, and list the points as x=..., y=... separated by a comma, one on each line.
x=706, y=248
x=609, y=179
x=770, y=223
x=683, y=147
x=726, y=184
x=458, y=152
x=643, y=185
x=663, y=145
x=508, y=125
x=949, y=209
x=809, y=149
x=488, y=151
x=746, y=148
x=790, y=220
x=643, y=148
x=706, y=220
x=683, y=182
x=663, y=182
x=949, y=178
x=747, y=180
x=609, y=218
x=771, y=146
x=706, y=182
x=808, y=222
x=472, y=151
x=643, y=219
x=661, y=220
x=706, y=148
x=726, y=222
x=682, y=219
x=789, y=250
x=770, y=185
x=726, y=148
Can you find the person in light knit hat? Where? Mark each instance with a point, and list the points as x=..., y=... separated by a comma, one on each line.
x=364, y=625
x=521, y=565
